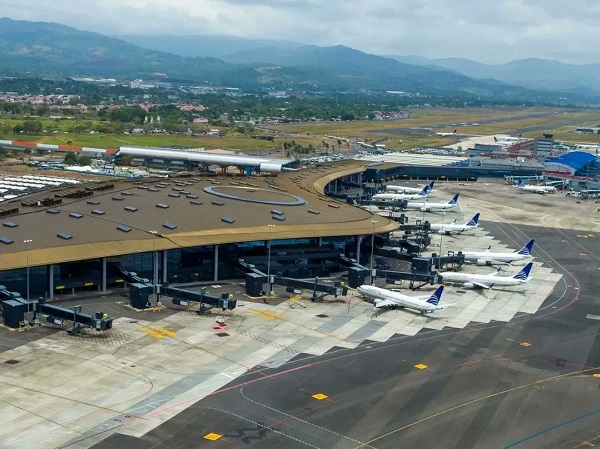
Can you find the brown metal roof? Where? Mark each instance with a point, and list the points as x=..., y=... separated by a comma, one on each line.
x=94, y=235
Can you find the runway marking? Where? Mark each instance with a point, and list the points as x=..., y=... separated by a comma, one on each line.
x=297, y=418
x=549, y=429
x=489, y=396
x=582, y=254
x=592, y=317
x=526, y=344
x=320, y=396
x=421, y=366
x=212, y=436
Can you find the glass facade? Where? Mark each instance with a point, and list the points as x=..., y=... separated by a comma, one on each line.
x=298, y=258
x=16, y=281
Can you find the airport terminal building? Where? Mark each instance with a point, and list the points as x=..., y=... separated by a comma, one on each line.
x=180, y=230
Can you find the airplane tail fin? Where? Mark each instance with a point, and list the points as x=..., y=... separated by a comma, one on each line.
x=425, y=191
x=495, y=139
x=489, y=248
x=429, y=186
x=474, y=220
x=520, y=135
x=454, y=199
x=519, y=182
x=434, y=299
x=526, y=250
x=454, y=132
x=523, y=275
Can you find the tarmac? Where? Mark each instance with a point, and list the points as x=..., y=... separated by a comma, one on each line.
x=502, y=368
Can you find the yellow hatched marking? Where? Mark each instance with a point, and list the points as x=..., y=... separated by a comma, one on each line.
x=526, y=344
x=596, y=375
x=212, y=436
x=421, y=366
x=158, y=332
x=320, y=396
x=266, y=314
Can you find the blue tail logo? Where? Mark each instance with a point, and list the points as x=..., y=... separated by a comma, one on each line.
x=435, y=298
x=474, y=220
x=526, y=250
x=519, y=182
x=454, y=199
x=523, y=275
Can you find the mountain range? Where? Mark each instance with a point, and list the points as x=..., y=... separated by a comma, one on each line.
x=50, y=49
x=533, y=73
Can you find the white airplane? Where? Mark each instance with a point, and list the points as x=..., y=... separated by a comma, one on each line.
x=487, y=280
x=542, y=190
x=508, y=138
x=453, y=133
x=403, y=196
x=453, y=228
x=402, y=189
x=489, y=258
x=426, y=206
x=387, y=298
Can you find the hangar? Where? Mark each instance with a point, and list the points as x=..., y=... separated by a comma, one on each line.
x=177, y=230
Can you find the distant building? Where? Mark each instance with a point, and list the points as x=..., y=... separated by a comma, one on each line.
x=545, y=145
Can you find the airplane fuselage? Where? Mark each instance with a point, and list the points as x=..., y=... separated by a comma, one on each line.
x=430, y=206
x=486, y=279
x=398, y=299
x=398, y=196
x=451, y=229
x=474, y=256
x=402, y=189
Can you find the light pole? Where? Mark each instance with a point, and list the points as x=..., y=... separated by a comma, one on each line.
x=27, y=242
x=373, y=222
x=154, y=265
x=441, y=240
x=269, y=260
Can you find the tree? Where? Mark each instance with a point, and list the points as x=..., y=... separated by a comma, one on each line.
x=85, y=160
x=70, y=159
x=32, y=126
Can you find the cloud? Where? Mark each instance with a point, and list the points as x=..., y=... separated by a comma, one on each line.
x=492, y=32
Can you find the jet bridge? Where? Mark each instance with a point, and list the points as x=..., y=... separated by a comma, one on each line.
x=413, y=277
x=205, y=301
x=15, y=307
x=256, y=278
x=140, y=290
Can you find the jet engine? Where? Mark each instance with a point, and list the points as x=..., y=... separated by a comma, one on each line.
x=468, y=285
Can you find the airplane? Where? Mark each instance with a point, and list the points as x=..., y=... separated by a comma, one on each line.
x=429, y=206
x=453, y=133
x=487, y=280
x=489, y=258
x=452, y=228
x=402, y=196
x=402, y=189
x=508, y=138
x=387, y=298
x=542, y=190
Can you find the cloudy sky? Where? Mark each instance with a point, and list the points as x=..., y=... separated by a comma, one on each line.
x=492, y=31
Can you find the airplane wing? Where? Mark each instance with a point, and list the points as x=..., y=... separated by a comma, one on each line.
x=385, y=303
x=482, y=285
